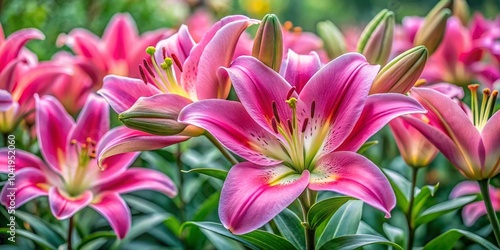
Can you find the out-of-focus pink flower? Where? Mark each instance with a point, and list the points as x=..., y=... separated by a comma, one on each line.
x=199, y=23
x=21, y=77
x=298, y=131
x=468, y=140
x=70, y=176
x=118, y=52
x=302, y=42
x=475, y=210
x=182, y=72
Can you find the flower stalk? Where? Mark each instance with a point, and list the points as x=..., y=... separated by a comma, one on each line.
x=485, y=192
x=409, y=216
x=307, y=199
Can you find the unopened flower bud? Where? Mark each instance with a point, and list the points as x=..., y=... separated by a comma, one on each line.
x=147, y=115
x=432, y=30
x=333, y=40
x=268, y=43
x=461, y=10
x=400, y=74
x=375, y=42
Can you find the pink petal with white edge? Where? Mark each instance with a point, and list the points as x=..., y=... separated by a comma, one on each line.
x=5, y=100
x=300, y=68
x=115, y=166
x=93, y=120
x=63, y=207
x=339, y=91
x=352, y=174
x=491, y=142
x=11, y=47
x=141, y=179
x=114, y=209
x=229, y=122
x=257, y=87
x=378, y=111
x=465, y=188
x=214, y=50
x=124, y=140
x=86, y=44
x=122, y=92
x=472, y=212
x=22, y=160
x=252, y=195
x=120, y=34
x=53, y=127
x=30, y=183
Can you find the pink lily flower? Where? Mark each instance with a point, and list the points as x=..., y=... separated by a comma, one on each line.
x=189, y=77
x=472, y=212
x=118, y=52
x=468, y=139
x=21, y=77
x=298, y=137
x=70, y=176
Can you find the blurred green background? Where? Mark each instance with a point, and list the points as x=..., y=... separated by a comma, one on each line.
x=60, y=16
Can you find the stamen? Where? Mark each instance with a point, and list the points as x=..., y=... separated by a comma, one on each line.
x=290, y=127
x=164, y=52
x=148, y=68
x=143, y=76
x=274, y=125
x=151, y=50
x=474, y=102
x=88, y=140
x=313, y=106
x=304, y=125
x=275, y=112
x=290, y=92
x=482, y=114
x=177, y=62
x=288, y=25
x=73, y=142
x=297, y=30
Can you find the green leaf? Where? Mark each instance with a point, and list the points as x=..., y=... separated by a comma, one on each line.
x=221, y=242
x=257, y=239
x=345, y=221
x=142, y=205
x=140, y=225
x=291, y=228
x=366, y=146
x=440, y=209
x=395, y=234
x=208, y=206
x=324, y=209
x=447, y=240
x=41, y=228
x=421, y=197
x=31, y=236
x=95, y=236
x=401, y=186
x=212, y=172
x=353, y=241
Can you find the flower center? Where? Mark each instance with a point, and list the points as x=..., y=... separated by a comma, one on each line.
x=481, y=114
x=163, y=74
x=85, y=153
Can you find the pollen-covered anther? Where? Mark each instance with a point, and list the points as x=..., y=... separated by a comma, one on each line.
x=148, y=67
x=290, y=93
x=177, y=62
x=143, y=76
x=275, y=112
x=274, y=125
x=73, y=142
x=304, y=125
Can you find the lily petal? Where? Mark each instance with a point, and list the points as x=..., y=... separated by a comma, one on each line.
x=22, y=160
x=124, y=140
x=30, y=183
x=86, y=44
x=120, y=35
x=472, y=212
x=63, y=207
x=298, y=69
x=257, y=87
x=114, y=209
x=252, y=195
x=5, y=100
x=337, y=106
x=352, y=174
x=93, y=120
x=492, y=145
x=122, y=92
x=465, y=188
x=11, y=47
x=377, y=112
x=215, y=49
x=53, y=127
x=115, y=166
x=229, y=122
x=141, y=179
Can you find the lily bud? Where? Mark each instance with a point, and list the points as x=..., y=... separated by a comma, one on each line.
x=375, y=42
x=333, y=40
x=461, y=10
x=400, y=74
x=146, y=115
x=432, y=30
x=268, y=43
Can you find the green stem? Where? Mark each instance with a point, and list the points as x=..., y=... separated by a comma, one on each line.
x=222, y=149
x=409, y=216
x=307, y=199
x=495, y=224
x=180, y=166
x=70, y=233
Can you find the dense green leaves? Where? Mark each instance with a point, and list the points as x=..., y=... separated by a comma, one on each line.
x=291, y=228
x=443, y=208
x=345, y=221
x=447, y=240
x=402, y=188
x=324, y=209
x=212, y=172
x=354, y=241
x=255, y=240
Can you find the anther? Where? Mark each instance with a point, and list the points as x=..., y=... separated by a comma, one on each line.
x=148, y=68
x=150, y=50
x=73, y=142
x=288, y=25
x=274, y=125
x=88, y=140
x=297, y=29
x=177, y=62
x=164, y=52
x=473, y=87
x=275, y=112
x=290, y=92
x=143, y=76
x=290, y=126
x=304, y=125
x=313, y=106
